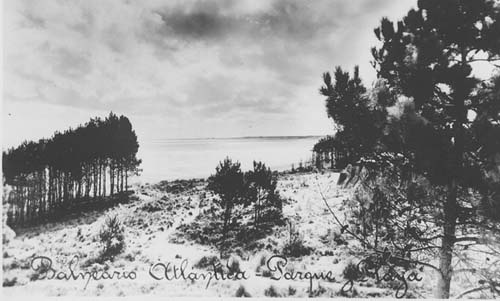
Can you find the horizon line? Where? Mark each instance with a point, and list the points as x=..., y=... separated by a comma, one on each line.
x=241, y=137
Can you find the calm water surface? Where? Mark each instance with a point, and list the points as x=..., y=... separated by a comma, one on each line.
x=169, y=159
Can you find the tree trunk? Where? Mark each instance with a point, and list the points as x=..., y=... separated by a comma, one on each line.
x=448, y=240
x=111, y=180
x=451, y=207
x=227, y=216
x=104, y=181
x=121, y=180
x=126, y=180
x=99, y=177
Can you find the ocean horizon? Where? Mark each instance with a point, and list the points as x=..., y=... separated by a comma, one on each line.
x=186, y=158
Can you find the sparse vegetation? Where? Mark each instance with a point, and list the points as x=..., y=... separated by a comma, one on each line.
x=233, y=265
x=207, y=262
x=318, y=292
x=351, y=272
x=235, y=191
x=242, y=292
x=112, y=237
x=295, y=245
x=271, y=292
x=9, y=281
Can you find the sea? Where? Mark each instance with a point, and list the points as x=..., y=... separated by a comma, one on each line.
x=171, y=159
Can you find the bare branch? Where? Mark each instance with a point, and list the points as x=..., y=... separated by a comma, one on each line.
x=477, y=289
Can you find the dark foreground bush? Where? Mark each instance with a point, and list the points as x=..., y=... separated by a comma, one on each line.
x=351, y=272
x=9, y=282
x=242, y=292
x=271, y=292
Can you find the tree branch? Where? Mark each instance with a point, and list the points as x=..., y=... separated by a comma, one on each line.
x=477, y=289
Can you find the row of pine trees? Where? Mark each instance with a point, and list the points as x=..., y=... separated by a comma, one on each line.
x=78, y=166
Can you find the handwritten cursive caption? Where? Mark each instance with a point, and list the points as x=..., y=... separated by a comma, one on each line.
x=276, y=265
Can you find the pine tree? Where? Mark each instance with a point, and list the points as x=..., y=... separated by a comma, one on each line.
x=429, y=57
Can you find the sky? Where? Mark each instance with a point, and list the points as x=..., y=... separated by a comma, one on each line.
x=181, y=69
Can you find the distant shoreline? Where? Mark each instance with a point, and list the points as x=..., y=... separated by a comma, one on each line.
x=238, y=138
x=204, y=179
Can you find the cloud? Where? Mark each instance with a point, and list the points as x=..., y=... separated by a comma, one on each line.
x=188, y=62
x=211, y=20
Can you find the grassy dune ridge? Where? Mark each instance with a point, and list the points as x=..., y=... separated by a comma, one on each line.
x=159, y=222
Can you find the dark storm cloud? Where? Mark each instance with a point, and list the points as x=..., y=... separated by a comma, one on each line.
x=214, y=20
x=203, y=20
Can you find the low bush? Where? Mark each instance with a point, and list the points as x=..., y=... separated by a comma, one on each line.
x=154, y=206
x=266, y=273
x=207, y=262
x=296, y=248
x=271, y=292
x=242, y=292
x=9, y=282
x=351, y=272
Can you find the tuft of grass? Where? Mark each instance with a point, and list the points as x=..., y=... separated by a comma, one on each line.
x=131, y=256
x=318, y=292
x=207, y=261
x=242, y=292
x=15, y=265
x=291, y=291
x=9, y=282
x=266, y=273
x=296, y=248
x=271, y=292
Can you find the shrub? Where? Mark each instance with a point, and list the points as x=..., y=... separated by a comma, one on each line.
x=112, y=237
x=207, y=261
x=267, y=273
x=296, y=248
x=271, y=292
x=351, y=272
x=9, y=282
x=291, y=291
x=153, y=206
x=242, y=292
